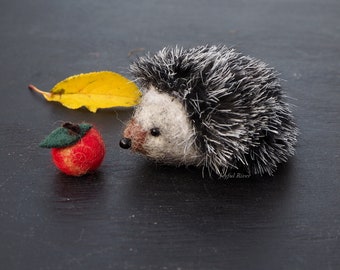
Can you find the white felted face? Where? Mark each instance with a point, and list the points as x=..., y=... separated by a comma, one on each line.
x=170, y=136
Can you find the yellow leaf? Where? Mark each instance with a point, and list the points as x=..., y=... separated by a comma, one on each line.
x=94, y=90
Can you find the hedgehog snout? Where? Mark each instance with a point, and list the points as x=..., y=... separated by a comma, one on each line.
x=133, y=137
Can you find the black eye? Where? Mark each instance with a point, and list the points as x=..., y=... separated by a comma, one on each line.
x=155, y=132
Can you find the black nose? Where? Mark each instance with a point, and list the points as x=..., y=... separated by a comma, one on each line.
x=125, y=143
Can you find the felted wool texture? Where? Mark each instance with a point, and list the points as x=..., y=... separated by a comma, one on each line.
x=135, y=131
x=175, y=144
x=234, y=103
x=81, y=158
x=65, y=136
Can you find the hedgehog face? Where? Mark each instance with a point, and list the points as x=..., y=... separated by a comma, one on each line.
x=160, y=129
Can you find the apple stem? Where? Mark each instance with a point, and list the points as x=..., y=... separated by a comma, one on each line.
x=72, y=127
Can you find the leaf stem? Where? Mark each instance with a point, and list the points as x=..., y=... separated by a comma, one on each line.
x=35, y=89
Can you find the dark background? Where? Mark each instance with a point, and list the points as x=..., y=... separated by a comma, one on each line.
x=133, y=214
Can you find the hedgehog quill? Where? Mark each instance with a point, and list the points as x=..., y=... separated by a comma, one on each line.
x=210, y=107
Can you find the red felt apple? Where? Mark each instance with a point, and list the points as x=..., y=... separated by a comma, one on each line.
x=77, y=149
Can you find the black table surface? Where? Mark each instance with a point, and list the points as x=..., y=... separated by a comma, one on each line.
x=133, y=214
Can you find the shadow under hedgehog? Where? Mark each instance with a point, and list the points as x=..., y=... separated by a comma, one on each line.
x=212, y=107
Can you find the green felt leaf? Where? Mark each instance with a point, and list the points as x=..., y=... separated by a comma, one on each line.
x=66, y=135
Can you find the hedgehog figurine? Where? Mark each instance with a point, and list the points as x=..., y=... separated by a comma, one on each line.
x=211, y=107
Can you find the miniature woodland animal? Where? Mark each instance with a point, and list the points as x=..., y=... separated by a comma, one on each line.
x=212, y=107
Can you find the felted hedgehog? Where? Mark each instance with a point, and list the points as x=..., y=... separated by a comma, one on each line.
x=213, y=107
